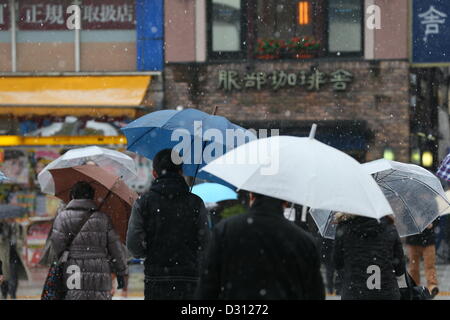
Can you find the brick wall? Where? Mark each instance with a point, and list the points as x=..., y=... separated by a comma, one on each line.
x=378, y=94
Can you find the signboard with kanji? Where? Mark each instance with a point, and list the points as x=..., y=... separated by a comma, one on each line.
x=313, y=80
x=43, y=15
x=430, y=40
x=98, y=14
x=108, y=14
x=4, y=15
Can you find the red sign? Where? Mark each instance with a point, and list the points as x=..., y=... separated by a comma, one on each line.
x=43, y=15
x=4, y=15
x=95, y=14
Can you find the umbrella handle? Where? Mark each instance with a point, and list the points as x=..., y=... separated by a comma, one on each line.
x=108, y=194
x=196, y=169
x=203, y=148
x=195, y=176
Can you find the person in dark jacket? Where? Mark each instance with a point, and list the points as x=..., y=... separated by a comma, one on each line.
x=261, y=255
x=423, y=246
x=1, y=272
x=95, y=250
x=169, y=228
x=369, y=257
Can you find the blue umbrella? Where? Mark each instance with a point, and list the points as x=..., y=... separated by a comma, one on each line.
x=185, y=130
x=214, y=192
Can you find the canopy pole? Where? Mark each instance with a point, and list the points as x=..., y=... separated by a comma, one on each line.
x=312, y=133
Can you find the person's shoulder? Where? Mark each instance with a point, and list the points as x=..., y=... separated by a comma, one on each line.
x=195, y=199
x=147, y=197
x=233, y=221
x=302, y=233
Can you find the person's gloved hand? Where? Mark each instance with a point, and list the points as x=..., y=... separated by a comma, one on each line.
x=122, y=282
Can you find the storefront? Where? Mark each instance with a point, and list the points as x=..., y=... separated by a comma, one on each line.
x=361, y=107
x=45, y=115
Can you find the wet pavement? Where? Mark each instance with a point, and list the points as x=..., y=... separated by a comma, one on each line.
x=31, y=290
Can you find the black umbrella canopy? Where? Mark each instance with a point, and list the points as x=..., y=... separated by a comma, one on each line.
x=12, y=211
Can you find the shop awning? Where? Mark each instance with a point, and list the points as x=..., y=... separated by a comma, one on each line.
x=119, y=91
x=94, y=112
x=16, y=141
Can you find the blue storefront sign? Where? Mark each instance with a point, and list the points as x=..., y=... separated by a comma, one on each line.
x=430, y=40
x=150, y=35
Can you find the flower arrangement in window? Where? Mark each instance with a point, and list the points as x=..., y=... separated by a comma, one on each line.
x=269, y=48
x=302, y=47
x=296, y=47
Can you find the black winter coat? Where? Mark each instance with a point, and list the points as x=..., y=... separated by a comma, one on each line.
x=168, y=227
x=261, y=255
x=424, y=239
x=361, y=243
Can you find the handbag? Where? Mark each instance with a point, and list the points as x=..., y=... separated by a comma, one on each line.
x=409, y=290
x=418, y=292
x=54, y=287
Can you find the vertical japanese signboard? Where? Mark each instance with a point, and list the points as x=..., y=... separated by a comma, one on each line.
x=430, y=36
x=4, y=15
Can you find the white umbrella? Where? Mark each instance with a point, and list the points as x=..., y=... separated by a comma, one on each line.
x=114, y=161
x=303, y=171
x=414, y=193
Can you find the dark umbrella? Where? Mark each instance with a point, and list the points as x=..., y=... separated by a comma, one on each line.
x=12, y=211
x=112, y=195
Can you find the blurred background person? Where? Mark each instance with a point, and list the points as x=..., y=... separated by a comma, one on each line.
x=14, y=268
x=422, y=246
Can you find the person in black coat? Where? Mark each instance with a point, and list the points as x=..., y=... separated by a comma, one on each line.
x=369, y=257
x=1, y=271
x=169, y=228
x=261, y=255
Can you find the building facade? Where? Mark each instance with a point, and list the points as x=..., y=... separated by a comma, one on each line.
x=350, y=71
x=72, y=73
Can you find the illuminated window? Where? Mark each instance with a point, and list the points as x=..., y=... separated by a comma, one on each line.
x=304, y=13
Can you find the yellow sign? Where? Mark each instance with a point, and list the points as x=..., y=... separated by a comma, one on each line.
x=74, y=90
x=14, y=141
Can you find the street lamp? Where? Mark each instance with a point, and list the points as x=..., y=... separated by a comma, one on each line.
x=416, y=156
x=427, y=159
x=389, y=154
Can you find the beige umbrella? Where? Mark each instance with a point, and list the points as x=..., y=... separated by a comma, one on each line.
x=112, y=195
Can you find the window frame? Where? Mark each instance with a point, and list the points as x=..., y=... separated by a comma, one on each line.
x=326, y=36
x=249, y=41
x=226, y=55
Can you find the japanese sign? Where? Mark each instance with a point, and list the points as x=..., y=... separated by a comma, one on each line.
x=4, y=15
x=111, y=14
x=430, y=37
x=314, y=80
x=95, y=14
